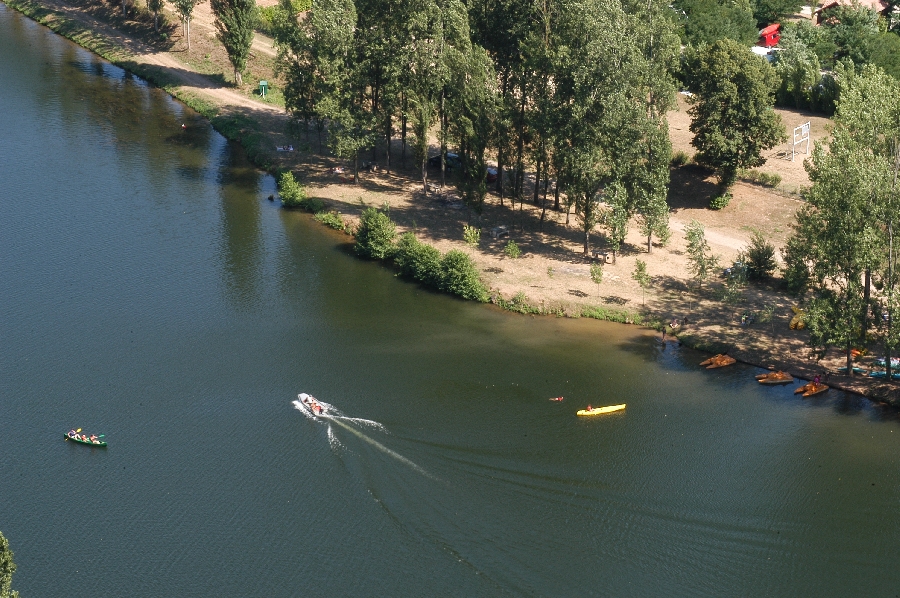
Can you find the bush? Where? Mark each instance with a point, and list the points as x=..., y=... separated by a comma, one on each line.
x=720, y=201
x=759, y=257
x=680, y=158
x=332, y=219
x=418, y=260
x=471, y=235
x=375, y=235
x=512, y=250
x=460, y=276
x=766, y=179
x=293, y=194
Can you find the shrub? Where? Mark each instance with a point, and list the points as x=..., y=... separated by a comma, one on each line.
x=720, y=201
x=460, y=277
x=375, y=235
x=332, y=219
x=471, y=235
x=680, y=158
x=418, y=260
x=767, y=179
x=293, y=194
x=759, y=257
x=512, y=249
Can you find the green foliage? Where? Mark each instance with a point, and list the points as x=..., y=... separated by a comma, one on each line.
x=759, y=257
x=766, y=179
x=235, y=23
x=185, y=9
x=733, y=121
x=720, y=201
x=269, y=14
x=680, y=158
x=512, y=250
x=471, y=235
x=708, y=21
x=772, y=11
x=796, y=272
x=612, y=315
x=885, y=53
x=459, y=276
x=7, y=568
x=701, y=260
x=418, y=260
x=615, y=218
x=375, y=235
x=597, y=275
x=293, y=194
x=797, y=67
x=641, y=276
x=333, y=220
x=852, y=29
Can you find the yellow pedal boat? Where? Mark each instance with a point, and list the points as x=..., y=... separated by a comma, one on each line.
x=601, y=410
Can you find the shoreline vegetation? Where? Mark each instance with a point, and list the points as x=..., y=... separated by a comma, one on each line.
x=434, y=239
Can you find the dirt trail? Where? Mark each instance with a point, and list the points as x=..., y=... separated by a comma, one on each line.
x=204, y=18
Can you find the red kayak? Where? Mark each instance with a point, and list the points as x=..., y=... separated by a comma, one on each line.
x=557, y=399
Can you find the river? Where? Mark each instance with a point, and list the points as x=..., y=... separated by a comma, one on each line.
x=150, y=292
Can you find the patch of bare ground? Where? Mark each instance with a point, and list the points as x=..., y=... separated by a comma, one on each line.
x=553, y=272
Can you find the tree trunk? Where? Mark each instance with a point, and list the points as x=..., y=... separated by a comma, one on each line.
x=443, y=141
x=537, y=180
x=425, y=176
x=156, y=22
x=544, y=203
x=388, y=134
x=867, y=293
x=587, y=241
x=500, y=158
x=649, y=242
x=403, y=139
x=849, y=362
x=238, y=78
x=556, y=195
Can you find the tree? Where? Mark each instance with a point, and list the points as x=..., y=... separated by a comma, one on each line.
x=615, y=217
x=155, y=6
x=597, y=275
x=707, y=21
x=732, y=117
x=185, y=8
x=759, y=257
x=235, y=23
x=701, y=260
x=375, y=235
x=843, y=235
x=641, y=277
x=7, y=568
x=797, y=67
x=772, y=11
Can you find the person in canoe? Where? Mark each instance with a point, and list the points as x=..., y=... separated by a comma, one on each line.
x=817, y=379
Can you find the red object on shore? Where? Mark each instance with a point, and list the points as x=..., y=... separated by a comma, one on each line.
x=770, y=35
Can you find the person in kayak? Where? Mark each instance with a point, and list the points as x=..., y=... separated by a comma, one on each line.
x=588, y=408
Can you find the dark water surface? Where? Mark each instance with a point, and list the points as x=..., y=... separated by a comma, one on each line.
x=148, y=291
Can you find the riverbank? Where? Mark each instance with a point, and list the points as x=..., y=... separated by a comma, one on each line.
x=552, y=276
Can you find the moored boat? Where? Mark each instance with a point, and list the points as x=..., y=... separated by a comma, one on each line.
x=721, y=361
x=601, y=410
x=712, y=359
x=84, y=439
x=778, y=377
x=811, y=389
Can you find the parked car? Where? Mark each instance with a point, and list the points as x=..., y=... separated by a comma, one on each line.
x=490, y=175
x=453, y=161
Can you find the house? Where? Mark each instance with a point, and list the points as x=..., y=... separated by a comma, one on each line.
x=879, y=6
x=769, y=36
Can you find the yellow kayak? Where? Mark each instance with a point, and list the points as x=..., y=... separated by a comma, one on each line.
x=600, y=410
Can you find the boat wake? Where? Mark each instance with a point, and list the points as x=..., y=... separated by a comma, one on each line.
x=332, y=415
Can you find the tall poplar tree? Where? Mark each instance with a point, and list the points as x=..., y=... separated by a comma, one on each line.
x=236, y=21
x=185, y=9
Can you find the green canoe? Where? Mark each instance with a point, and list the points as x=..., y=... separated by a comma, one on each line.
x=87, y=442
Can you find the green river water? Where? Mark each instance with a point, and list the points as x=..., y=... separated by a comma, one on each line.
x=148, y=291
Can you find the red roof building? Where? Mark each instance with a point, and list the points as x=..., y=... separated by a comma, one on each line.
x=769, y=36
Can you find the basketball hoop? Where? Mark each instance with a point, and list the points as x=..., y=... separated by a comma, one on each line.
x=801, y=135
